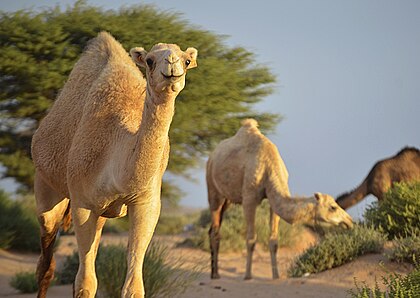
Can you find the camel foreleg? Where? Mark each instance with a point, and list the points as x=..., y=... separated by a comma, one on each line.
x=143, y=218
x=88, y=227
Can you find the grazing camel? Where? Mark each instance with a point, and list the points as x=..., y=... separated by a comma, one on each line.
x=404, y=166
x=247, y=168
x=102, y=150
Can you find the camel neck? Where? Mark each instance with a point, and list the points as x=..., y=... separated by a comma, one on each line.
x=347, y=200
x=296, y=210
x=292, y=210
x=151, y=140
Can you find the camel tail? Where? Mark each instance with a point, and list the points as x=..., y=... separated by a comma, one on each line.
x=351, y=198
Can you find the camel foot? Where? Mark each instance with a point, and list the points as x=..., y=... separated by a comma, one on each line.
x=215, y=276
x=248, y=277
x=276, y=276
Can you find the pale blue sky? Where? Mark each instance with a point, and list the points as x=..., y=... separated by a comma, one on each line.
x=348, y=80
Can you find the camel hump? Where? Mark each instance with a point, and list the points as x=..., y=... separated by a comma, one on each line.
x=105, y=45
x=249, y=122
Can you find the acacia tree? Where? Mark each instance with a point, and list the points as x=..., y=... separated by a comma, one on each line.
x=39, y=49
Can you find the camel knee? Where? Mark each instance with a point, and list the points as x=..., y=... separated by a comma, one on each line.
x=250, y=243
x=85, y=286
x=82, y=294
x=131, y=294
x=133, y=286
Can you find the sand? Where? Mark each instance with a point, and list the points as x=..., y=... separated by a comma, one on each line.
x=333, y=283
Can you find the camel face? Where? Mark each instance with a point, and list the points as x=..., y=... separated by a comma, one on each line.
x=329, y=214
x=166, y=66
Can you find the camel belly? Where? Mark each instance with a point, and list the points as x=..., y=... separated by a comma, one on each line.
x=229, y=185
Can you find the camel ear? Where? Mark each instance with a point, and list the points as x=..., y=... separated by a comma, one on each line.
x=192, y=56
x=318, y=196
x=138, y=55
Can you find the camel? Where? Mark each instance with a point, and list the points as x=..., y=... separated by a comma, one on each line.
x=102, y=150
x=245, y=169
x=402, y=167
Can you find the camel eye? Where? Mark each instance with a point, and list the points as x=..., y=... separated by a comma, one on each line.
x=333, y=208
x=149, y=62
x=188, y=62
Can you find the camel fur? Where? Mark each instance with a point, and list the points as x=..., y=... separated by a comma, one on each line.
x=102, y=150
x=247, y=168
x=402, y=167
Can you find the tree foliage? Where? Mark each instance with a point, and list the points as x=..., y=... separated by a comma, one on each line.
x=39, y=49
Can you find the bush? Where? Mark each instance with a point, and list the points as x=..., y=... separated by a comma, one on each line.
x=233, y=230
x=67, y=273
x=111, y=267
x=398, y=215
x=19, y=228
x=336, y=249
x=24, y=282
x=171, y=224
x=116, y=225
x=161, y=277
x=397, y=286
x=406, y=249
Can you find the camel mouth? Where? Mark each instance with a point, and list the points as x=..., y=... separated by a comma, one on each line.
x=346, y=225
x=171, y=76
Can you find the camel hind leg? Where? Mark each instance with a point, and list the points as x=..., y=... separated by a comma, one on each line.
x=51, y=210
x=273, y=242
x=251, y=236
x=217, y=208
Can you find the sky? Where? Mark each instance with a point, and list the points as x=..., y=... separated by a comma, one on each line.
x=348, y=80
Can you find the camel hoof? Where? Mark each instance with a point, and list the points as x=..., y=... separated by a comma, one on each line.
x=276, y=276
x=248, y=277
x=215, y=276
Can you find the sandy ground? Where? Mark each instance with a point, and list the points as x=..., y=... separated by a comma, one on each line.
x=333, y=283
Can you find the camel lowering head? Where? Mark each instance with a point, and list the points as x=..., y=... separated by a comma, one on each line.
x=329, y=214
x=166, y=66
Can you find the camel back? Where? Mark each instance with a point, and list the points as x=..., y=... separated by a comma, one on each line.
x=53, y=139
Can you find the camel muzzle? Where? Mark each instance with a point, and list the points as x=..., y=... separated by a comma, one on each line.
x=348, y=225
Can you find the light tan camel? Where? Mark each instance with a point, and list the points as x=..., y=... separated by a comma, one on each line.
x=102, y=151
x=402, y=167
x=247, y=168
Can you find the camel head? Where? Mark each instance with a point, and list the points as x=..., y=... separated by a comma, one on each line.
x=166, y=66
x=329, y=214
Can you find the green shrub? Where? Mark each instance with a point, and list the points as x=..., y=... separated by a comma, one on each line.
x=19, y=228
x=111, y=267
x=116, y=225
x=336, y=249
x=161, y=277
x=406, y=249
x=398, y=215
x=67, y=273
x=171, y=224
x=233, y=230
x=24, y=282
x=397, y=286
x=168, y=224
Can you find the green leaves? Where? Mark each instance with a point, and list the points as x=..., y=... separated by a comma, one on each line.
x=398, y=214
x=39, y=49
x=336, y=249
